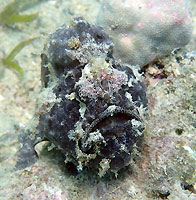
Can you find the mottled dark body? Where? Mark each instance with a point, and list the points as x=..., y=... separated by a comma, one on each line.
x=57, y=53
x=108, y=116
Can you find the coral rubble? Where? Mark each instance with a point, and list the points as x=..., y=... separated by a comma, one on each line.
x=168, y=159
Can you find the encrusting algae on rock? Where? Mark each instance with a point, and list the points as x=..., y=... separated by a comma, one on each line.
x=95, y=118
x=168, y=158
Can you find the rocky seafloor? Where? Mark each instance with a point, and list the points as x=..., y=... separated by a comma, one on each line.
x=165, y=168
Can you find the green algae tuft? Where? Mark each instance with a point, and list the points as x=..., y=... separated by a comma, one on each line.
x=11, y=13
x=8, y=61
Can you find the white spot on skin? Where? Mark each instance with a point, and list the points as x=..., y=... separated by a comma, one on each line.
x=82, y=109
x=70, y=96
x=111, y=109
x=129, y=97
x=105, y=165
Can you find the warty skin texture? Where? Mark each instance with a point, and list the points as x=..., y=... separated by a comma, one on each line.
x=94, y=119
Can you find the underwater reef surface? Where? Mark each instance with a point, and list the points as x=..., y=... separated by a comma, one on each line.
x=164, y=168
x=144, y=30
